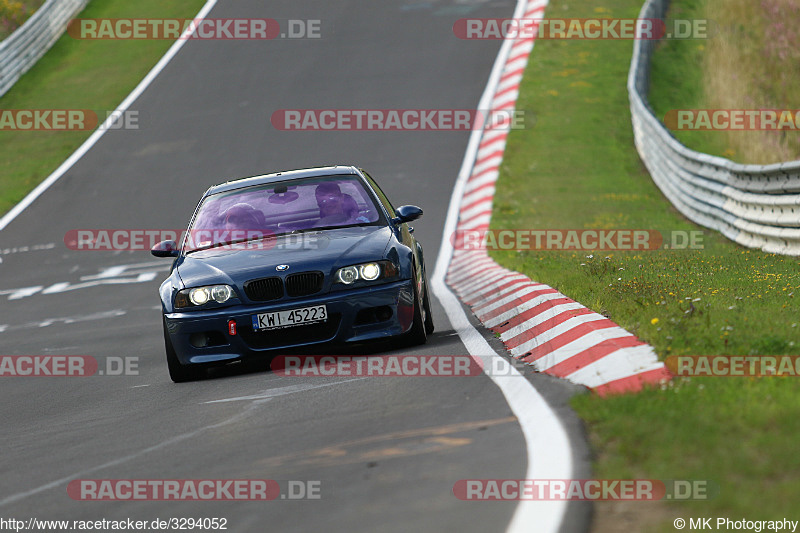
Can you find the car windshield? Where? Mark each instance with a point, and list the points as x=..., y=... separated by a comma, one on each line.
x=281, y=208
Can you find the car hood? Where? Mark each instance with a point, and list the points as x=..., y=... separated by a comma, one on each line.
x=319, y=250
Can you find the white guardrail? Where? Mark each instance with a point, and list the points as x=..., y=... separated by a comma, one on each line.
x=23, y=48
x=756, y=206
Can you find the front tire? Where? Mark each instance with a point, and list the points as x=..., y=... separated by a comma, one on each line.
x=419, y=332
x=426, y=303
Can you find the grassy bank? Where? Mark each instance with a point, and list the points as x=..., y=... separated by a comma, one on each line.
x=578, y=168
x=77, y=74
x=749, y=62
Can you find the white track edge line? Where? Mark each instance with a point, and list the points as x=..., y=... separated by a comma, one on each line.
x=98, y=133
x=547, y=443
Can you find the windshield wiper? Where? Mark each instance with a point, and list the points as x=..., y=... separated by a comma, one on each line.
x=341, y=226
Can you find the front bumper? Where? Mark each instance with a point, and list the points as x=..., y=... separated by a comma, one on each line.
x=203, y=337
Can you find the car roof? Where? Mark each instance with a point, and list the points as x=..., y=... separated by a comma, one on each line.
x=314, y=172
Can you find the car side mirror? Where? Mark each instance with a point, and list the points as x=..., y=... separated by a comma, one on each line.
x=407, y=213
x=165, y=249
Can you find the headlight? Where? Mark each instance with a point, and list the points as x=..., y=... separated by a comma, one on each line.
x=199, y=296
x=366, y=271
x=221, y=293
x=347, y=275
x=370, y=271
x=202, y=295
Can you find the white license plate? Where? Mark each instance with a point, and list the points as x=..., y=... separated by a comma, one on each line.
x=292, y=317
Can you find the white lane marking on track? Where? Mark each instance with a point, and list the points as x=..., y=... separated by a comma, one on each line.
x=24, y=292
x=548, y=447
x=23, y=249
x=110, y=272
x=64, y=320
x=140, y=272
x=101, y=315
x=273, y=393
x=128, y=270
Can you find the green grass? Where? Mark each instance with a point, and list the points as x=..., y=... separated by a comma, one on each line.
x=77, y=74
x=738, y=433
x=578, y=168
x=742, y=65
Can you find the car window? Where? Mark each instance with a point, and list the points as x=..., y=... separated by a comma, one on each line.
x=383, y=198
x=283, y=207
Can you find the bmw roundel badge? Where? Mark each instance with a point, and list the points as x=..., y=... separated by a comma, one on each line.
x=281, y=268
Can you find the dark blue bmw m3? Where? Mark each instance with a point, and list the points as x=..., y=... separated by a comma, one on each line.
x=287, y=260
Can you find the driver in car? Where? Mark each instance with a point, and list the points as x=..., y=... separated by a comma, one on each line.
x=242, y=216
x=331, y=202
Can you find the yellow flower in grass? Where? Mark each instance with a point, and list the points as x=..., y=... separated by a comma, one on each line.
x=566, y=73
x=654, y=321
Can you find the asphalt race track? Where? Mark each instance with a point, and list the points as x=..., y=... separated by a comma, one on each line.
x=385, y=451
